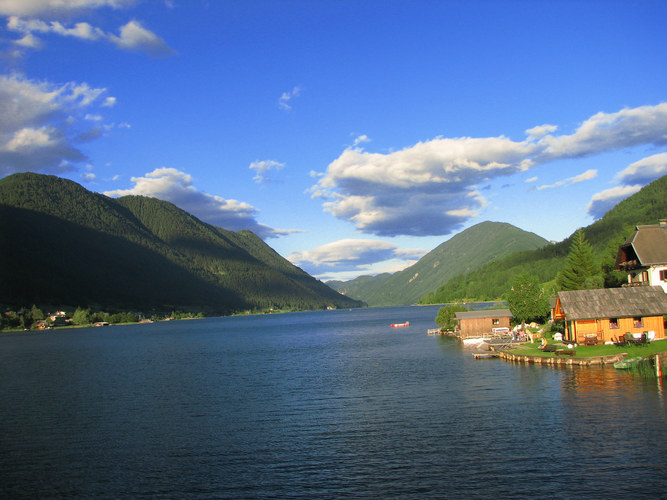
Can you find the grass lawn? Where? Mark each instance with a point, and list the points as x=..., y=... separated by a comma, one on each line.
x=598, y=350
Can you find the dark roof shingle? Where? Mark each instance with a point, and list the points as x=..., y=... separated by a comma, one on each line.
x=613, y=303
x=484, y=313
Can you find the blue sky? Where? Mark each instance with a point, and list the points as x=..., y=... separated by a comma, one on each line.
x=353, y=136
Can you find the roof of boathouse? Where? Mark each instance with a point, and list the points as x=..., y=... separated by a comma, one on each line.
x=623, y=302
x=484, y=313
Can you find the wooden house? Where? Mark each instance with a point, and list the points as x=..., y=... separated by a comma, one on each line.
x=604, y=315
x=644, y=256
x=478, y=324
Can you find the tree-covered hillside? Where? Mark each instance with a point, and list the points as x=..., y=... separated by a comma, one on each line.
x=490, y=282
x=468, y=250
x=64, y=245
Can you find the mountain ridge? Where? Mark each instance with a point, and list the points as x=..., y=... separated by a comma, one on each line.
x=489, y=282
x=71, y=246
x=465, y=251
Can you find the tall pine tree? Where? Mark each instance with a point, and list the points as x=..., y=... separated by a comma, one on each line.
x=581, y=270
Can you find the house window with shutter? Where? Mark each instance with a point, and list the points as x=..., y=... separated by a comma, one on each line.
x=663, y=275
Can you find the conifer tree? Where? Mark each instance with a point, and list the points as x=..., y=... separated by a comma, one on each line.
x=581, y=270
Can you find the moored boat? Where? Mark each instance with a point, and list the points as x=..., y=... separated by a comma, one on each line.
x=627, y=363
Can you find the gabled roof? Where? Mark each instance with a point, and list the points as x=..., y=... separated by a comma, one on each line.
x=484, y=313
x=627, y=302
x=648, y=246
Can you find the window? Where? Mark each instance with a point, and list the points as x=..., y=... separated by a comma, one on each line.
x=663, y=275
x=613, y=323
x=495, y=321
x=637, y=322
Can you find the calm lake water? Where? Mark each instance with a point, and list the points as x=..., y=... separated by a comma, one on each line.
x=314, y=405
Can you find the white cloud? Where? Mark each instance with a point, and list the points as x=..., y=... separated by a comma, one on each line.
x=262, y=168
x=132, y=37
x=645, y=170
x=355, y=256
x=344, y=253
x=586, y=176
x=286, y=97
x=608, y=132
x=55, y=7
x=530, y=180
x=604, y=201
x=426, y=189
x=40, y=124
x=175, y=186
x=361, y=139
x=431, y=188
x=541, y=131
x=632, y=179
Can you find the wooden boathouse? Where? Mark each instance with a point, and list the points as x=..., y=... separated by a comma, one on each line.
x=481, y=324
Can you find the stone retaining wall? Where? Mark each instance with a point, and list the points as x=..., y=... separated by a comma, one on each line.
x=562, y=360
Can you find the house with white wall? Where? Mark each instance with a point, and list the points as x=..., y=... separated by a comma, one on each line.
x=644, y=256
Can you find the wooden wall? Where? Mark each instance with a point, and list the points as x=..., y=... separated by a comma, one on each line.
x=577, y=330
x=474, y=327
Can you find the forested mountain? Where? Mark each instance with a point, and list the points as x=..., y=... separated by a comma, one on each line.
x=490, y=281
x=464, y=252
x=64, y=245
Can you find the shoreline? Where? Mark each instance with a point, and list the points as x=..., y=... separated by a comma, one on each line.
x=609, y=359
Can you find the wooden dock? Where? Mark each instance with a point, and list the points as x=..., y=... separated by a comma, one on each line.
x=485, y=355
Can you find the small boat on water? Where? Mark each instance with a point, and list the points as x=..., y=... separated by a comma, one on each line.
x=400, y=325
x=627, y=363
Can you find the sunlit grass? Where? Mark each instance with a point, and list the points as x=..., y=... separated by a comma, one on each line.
x=599, y=350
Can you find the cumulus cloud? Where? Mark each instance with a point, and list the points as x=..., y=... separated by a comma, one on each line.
x=286, y=98
x=361, y=139
x=40, y=124
x=357, y=254
x=132, y=37
x=419, y=190
x=608, y=132
x=55, y=7
x=631, y=179
x=431, y=188
x=604, y=201
x=262, y=169
x=175, y=186
x=645, y=170
x=586, y=176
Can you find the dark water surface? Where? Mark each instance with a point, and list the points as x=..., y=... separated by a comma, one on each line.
x=314, y=405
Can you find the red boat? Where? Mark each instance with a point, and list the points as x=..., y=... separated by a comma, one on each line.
x=400, y=325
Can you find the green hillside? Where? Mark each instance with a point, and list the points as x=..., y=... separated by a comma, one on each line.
x=464, y=252
x=489, y=282
x=363, y=286
x=65, y=245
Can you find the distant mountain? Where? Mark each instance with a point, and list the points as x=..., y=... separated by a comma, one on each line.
x=464, y=252
x=64, y=245
x=489, y=282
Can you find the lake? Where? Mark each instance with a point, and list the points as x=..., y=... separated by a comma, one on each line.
x=327, y=404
